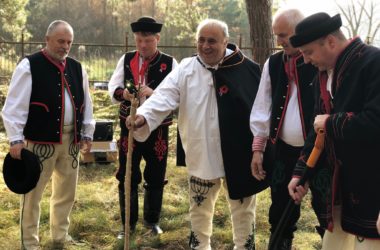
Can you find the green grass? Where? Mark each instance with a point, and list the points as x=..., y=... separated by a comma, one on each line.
x=95, y=220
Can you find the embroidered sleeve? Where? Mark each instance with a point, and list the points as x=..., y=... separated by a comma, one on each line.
x=338, y=124
x=259, y=143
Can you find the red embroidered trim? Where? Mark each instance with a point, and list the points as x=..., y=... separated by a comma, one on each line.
x=41, y=104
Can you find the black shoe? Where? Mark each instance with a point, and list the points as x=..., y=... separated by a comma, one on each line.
x=121, y=235
x=155, y=228
x=285, y=244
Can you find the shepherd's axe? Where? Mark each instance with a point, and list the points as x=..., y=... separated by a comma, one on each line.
x=311, y=162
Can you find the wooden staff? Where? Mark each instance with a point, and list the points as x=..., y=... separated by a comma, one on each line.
x=311, y=162
x=127, y=179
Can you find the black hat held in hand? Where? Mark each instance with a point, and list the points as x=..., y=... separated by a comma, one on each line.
x=314, y=27
x=146, y=24
x=21, y=176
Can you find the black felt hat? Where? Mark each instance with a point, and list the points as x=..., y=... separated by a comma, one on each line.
x=314, y=27
x=146, y=24
x=21, y=176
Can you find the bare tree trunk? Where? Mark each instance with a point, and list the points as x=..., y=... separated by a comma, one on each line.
x=260, y=21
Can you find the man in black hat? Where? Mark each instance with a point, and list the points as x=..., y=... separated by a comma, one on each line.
x=347, y=109
x=144, y=68
x=48, y=110
x=280, y=120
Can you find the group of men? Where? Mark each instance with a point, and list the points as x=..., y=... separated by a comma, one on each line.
x=241, y=128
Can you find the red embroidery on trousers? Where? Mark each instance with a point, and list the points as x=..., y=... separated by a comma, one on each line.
x=160, y=146
x=124, y=144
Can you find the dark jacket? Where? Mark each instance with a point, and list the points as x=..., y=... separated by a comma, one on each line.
x=348, y=171
x=236, y=84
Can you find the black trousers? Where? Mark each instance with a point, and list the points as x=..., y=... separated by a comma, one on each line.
x=280, y=170
x=154, y=151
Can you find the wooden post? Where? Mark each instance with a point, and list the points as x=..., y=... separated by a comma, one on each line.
x=127, y=179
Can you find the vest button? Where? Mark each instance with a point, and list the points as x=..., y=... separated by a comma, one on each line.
x=57, y=132
x=281, y=107
x=58, y=120
x=278, y=118
x=275, y=129
x=284, y=96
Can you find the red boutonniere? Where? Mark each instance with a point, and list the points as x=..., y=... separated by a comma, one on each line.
x=163, y=67
x=223, y=90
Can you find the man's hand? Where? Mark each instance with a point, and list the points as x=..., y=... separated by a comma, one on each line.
x=297, y=192
x=319, y=122
x=257, y=166
x=145, y=91
x=85, y=146
x=15, y=150
x=137, y=123
x=127, y=96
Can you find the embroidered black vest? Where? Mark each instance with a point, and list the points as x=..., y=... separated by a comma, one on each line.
x=46, y=109
x=305, y=74
x=158, y=69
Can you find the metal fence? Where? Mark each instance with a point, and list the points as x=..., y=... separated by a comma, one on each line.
x=98, y=59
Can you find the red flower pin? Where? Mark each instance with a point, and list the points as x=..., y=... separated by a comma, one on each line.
x=163, y=67
x=223, y=90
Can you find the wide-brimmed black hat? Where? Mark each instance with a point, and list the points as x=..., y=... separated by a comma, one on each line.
x=313, y=27
x=21, y=176
x=146, y=24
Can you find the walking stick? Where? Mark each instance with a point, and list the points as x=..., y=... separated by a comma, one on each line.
x=313, y=158
x=127, y=179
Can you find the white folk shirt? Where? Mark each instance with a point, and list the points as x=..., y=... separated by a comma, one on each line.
x=329, y=82
x=117, y=78
x=190, y=88
x=291, y=130
x=16, y=108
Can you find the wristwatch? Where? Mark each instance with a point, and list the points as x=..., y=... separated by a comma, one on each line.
x=86, y=138
x=16, y=142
